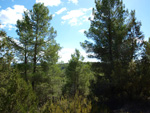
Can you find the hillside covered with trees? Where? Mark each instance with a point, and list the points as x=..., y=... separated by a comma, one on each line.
x=32, y=80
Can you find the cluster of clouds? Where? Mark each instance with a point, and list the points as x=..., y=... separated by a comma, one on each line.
x=9, y=16
x=55, y=2
x=73, y=1
x=73, y=17
x=49, y=2
x=65, y=55
x=77, y=17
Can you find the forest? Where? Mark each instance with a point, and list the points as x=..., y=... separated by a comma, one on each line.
x=32, y=80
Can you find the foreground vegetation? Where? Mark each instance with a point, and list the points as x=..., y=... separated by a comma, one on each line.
x=119, y=82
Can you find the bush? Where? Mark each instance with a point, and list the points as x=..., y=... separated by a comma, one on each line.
x=77, y=104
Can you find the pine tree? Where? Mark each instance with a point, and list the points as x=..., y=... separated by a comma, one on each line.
x=78, y=75
x=34, y=33
x=107, y=30
x=41, y=30
x=24, y=30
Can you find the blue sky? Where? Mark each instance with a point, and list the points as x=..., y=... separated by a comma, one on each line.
x=70, y=19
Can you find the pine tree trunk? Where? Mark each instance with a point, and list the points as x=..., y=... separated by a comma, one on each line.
x=110, y=44
x=25, y=65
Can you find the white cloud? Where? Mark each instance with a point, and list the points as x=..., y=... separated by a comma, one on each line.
x=91, y=17
x=77, y=17
x=85, y=18
x=61, y=10
x=65, y=55
x=49, y=2
x=63, y=22
x=73, y=21
x=73, y=1
x=9, y=16
x=0, y=6
x=2, y=26
x=82, y=31
x=53, y=15
x=10, y=27
x=73, y=14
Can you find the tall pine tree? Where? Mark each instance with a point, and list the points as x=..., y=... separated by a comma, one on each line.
x=108, y=31
x=24, y=30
